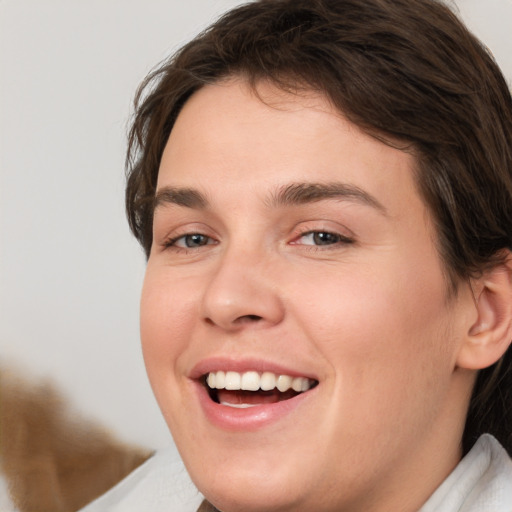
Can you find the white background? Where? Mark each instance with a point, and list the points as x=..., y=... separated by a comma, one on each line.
x=70, y=273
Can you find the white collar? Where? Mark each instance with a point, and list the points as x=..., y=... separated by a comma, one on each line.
x=481, y=482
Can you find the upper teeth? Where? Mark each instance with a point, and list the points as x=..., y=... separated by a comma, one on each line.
x=254, y=381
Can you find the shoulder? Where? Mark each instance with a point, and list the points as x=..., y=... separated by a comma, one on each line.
x=160, y=484
x=481, y=481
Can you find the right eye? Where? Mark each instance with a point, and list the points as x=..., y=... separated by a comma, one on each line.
x=190, y=241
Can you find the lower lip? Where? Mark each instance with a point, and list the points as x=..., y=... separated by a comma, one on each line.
x=251, y=418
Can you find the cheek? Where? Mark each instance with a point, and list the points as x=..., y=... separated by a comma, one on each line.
x=165, y=323
x=385, y=330
x=385, y=340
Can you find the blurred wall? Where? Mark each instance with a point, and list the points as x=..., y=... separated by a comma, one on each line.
x=70, y=273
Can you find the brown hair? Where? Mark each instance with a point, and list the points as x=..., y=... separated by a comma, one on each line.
x=402, y=70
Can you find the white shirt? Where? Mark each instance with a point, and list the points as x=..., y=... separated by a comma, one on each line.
x=482, y=482
x=161, y=484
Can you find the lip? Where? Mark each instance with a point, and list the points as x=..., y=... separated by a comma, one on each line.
x=252, y=418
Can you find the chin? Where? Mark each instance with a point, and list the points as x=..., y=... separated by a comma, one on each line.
x=261, y=493
x=256, y=480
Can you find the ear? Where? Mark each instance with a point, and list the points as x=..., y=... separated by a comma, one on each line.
x=490, y=335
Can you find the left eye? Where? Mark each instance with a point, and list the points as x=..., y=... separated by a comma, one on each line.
x=322, y=238
x=191, y=241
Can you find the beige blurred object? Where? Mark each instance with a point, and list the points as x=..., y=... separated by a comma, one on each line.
x=52, y=459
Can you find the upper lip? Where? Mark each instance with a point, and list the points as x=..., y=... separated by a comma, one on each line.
x=214, y=364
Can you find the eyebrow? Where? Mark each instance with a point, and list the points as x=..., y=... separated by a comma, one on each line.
x=188, y=197
x=290, y=195
x=302, y=193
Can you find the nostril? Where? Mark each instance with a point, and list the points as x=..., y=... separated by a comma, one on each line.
x=244, y=319
x=248, y=318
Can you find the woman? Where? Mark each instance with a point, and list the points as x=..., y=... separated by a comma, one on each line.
x=323, y=191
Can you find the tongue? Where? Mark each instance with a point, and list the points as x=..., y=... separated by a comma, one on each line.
x=253, y=397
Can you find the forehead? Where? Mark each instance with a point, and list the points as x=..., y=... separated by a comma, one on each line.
x=230, y=135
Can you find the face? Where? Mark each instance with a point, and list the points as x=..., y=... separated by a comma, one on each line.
x=295, y=320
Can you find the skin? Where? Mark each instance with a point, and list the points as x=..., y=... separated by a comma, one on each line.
x=368, y=314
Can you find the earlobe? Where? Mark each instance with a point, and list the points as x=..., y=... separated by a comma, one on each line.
x=491, y=333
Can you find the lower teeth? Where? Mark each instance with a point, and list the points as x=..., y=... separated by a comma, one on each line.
x=238, y=406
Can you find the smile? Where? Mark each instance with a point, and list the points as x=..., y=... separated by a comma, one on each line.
x=252, y=388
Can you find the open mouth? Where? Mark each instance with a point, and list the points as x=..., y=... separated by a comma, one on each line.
x=249, y=389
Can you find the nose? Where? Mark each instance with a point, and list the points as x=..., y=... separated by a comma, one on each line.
x=242, y=293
